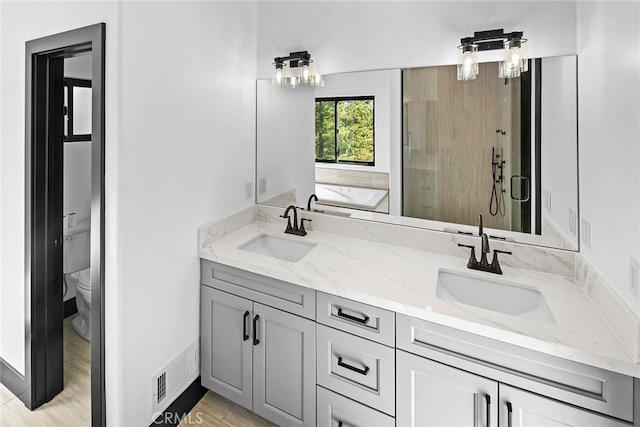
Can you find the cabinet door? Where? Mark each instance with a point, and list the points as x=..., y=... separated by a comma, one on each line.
x=226, y=345
x=523, y=409
x=284, y=367
x=429, y=393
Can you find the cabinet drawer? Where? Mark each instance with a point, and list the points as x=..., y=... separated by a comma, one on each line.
x=357, y=368
x=335, y=410
x=357, y=318
x=596, y=389
x=275, y=293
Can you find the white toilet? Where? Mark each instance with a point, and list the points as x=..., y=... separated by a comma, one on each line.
x=76, y=260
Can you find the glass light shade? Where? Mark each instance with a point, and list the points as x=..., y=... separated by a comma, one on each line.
x=317, y=81
x=467, y=62
x=281, y=76
x=306, y=73
x=515, y=59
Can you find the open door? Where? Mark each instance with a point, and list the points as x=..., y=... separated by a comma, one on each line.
x=43, y=234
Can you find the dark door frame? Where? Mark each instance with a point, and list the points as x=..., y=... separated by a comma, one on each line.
x=43, y=216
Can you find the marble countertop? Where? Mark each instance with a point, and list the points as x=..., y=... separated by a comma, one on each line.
x=404, y=280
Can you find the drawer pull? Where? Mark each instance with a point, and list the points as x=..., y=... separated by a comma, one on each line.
x=488, y=399
x=364, y=371
x=353, y=318
x=245, y=335
x=509, y=415
x=256, y=341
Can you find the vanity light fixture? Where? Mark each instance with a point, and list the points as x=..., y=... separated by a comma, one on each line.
x=515, y=53
x=295, y=70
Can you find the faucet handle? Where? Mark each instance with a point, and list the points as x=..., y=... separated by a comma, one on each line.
x=498, y=251
x=473, y=261
x=495, y=264
x=289, y=227
x=302, y=230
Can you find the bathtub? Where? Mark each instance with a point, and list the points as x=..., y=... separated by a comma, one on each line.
x=349, y=197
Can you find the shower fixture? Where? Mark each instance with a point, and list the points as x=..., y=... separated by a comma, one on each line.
x=496, y=203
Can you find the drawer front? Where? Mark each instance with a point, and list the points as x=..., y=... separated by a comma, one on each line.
x=335, y=410
x=275, y=293
x=357, y=368
x=356, y=318
x=596, y=389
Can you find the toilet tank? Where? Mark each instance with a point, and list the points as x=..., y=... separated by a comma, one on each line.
x=76, y=245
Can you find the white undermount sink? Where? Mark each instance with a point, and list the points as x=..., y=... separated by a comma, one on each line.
x=276, y=247
x=515, y=300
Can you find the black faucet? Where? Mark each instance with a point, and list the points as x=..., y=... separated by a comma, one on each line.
x=295, y=229
x=311, y=198
x=483, y=264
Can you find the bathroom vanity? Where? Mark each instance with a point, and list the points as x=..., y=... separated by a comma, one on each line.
x=359, y=333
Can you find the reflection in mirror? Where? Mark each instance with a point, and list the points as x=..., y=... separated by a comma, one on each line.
x=443, y=150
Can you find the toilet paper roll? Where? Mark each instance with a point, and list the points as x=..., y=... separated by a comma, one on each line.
x=65, y=222
x=73, y=221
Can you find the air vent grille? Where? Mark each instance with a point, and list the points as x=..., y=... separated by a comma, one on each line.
x=176, y=374
x=174, y=378
x=162, y=387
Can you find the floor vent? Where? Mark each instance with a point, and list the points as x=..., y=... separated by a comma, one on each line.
x=175, y=378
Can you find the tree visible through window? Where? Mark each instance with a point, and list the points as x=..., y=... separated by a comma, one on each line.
x=344, y=130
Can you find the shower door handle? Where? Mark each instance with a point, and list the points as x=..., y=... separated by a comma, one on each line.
x=521, y=196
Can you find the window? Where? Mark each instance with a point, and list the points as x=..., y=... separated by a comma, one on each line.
x=344, y=130
x=77, y=110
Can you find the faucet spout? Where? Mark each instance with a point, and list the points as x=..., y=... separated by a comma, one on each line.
x=485, y=244
x=479, y=222
x=311, y=198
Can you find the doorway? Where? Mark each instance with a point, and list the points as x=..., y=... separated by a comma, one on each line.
x=44, y=149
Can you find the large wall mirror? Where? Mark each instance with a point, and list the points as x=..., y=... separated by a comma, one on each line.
x=419, y=148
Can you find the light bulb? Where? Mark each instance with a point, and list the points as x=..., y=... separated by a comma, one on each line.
x=279, y=76
x=467, y=63
x=305, y=73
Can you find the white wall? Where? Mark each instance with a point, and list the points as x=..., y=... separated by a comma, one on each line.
x=286, y=133
x=77, y=155
x=180, y=148
x=609, y=135
x=369, y=35
x=186, y=150
x=78, y=67
x=559, y=143
x=11, y=341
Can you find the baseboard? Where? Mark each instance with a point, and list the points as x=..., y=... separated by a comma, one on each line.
x=70, y=307
x=16, y=383
x=180, y=407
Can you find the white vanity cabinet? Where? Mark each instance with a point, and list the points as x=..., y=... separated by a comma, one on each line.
x=258, y=356
x=298, y=357
x=429, y=393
